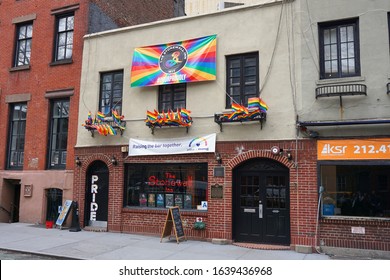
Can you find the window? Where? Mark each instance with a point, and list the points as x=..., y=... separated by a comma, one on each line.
x=356, y=190
x=23, y=44
x=111, y=88
x=17, y=136
x=242, y=81
x=165, y=185
x=339, y=49
x=64, y=37
x=58, y=134
x=172, y=97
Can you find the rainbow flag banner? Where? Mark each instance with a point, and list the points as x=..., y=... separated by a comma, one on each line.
x=103, y=126
x=180, y=62
x=181, y=117
x=256, y=110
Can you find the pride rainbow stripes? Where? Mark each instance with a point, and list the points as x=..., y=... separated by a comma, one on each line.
x=200, y=64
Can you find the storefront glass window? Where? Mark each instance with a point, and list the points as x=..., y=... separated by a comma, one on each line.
x=165, y=185
x=356, y=190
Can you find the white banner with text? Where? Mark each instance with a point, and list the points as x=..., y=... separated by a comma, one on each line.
x=202, y=144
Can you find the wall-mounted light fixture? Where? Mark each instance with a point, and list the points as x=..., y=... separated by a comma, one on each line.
x=218, y=158
x=289, y=155
x=78, y=161
x=275, y=150
x=114, y=161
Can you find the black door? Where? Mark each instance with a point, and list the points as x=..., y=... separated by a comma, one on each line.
x=261, y=203
x=15, y=204
x=96, y=197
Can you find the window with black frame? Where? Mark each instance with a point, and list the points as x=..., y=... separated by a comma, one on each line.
x=165, y=185
x=64, y=37
x=355, y=190
x=58, y=134
x=17, y=133
x=242, y=78
x=172, y=97
x=339, y=49
x=111, y=89
x=23, y=44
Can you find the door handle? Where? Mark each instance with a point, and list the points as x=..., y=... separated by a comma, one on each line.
x=260, y=211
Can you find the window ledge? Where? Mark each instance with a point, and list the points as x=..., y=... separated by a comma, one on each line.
x=20, y=68
x=61, y=62
x=352, y=219
x=340, y=80
x=138, y=209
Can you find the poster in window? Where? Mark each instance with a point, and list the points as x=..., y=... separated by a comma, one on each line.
x=187, y=201
x=160, y=200
x=179, y=200
x=169, y=200
x=151, y=200
x=142, y=200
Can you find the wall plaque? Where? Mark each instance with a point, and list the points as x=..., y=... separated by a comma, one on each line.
x=28, y=190
x=216, y=191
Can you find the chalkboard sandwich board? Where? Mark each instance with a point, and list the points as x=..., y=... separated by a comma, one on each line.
x=173, y=221
x=64, y=213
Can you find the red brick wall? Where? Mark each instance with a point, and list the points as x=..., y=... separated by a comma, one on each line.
x=219, y=215
x=40, y=78
x=337, y=233
x=303, y=197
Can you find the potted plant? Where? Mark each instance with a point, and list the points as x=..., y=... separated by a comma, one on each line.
x=199, y=225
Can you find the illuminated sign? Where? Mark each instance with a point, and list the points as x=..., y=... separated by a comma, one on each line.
x=354, y=149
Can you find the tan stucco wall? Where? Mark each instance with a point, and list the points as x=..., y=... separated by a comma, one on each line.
x=33, y=209
x=248, y=29
x=374, y=62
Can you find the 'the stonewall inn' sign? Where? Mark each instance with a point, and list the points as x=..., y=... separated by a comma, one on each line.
x=180, y=62
x=202, y=144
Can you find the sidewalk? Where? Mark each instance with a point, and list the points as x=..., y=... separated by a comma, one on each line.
x=122, y=246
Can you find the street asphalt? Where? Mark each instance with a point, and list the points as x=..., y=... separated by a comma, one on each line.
x=87, y=245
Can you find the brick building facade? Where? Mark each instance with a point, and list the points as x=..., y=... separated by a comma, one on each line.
x=40, y=69
x=268, y=180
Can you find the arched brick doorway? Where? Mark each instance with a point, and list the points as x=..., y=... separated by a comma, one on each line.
x=96, y=196
x=261, y=205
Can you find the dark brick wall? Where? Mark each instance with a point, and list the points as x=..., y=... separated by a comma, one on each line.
x=121, y=13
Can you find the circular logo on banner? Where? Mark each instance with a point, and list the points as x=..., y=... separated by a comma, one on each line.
x=173, y=59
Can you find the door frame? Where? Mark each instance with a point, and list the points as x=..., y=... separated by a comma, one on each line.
x=101, y=168
x=262, y=167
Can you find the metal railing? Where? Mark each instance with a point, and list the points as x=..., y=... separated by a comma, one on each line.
x=341, y=90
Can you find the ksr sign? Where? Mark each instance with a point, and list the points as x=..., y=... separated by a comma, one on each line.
x=354, y=149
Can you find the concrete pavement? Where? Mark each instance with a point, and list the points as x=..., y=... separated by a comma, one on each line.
x=123, y=246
